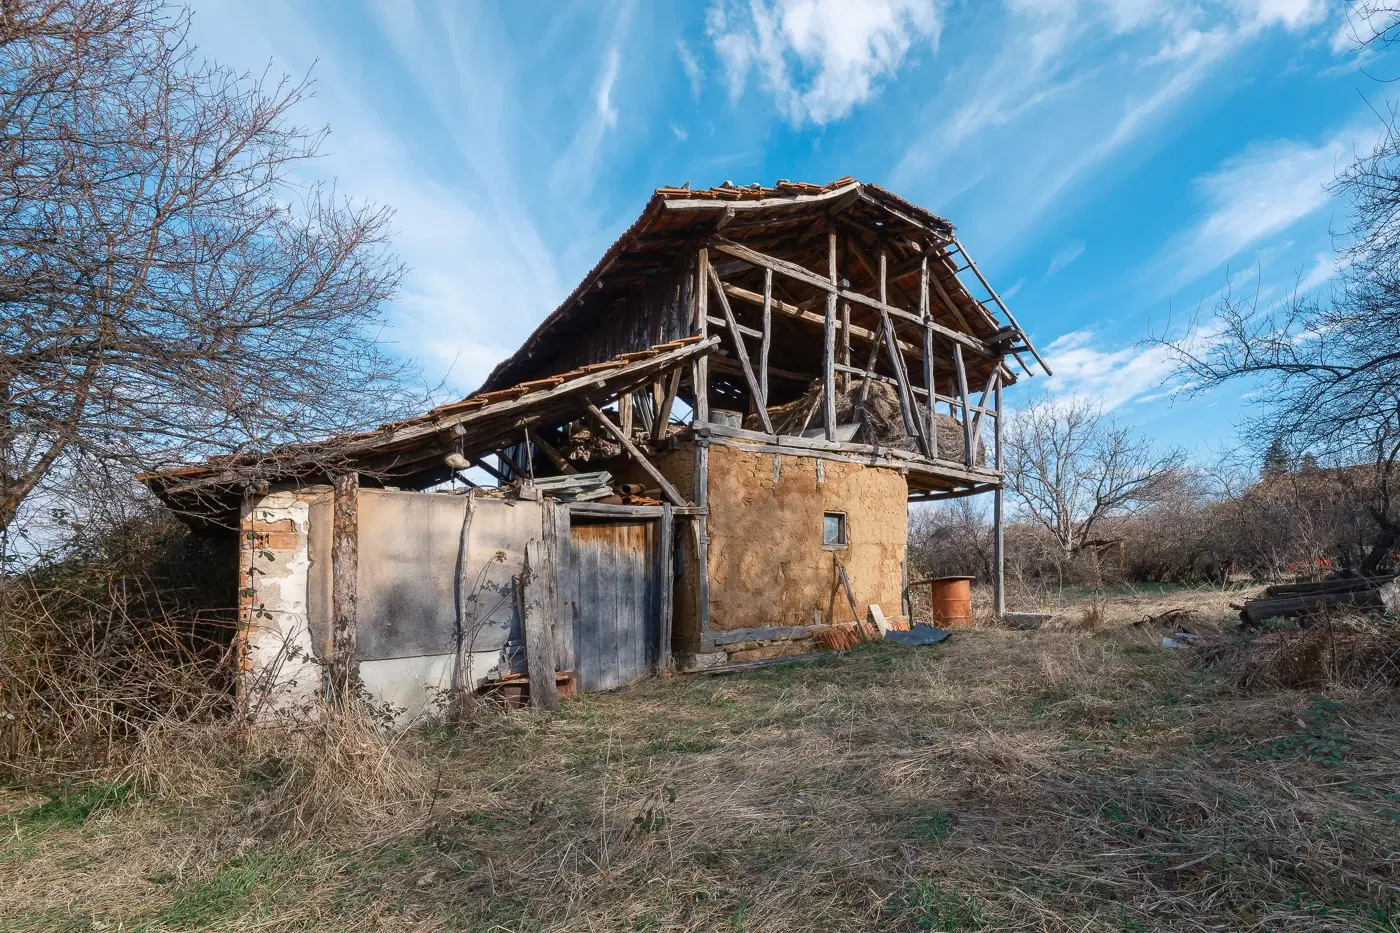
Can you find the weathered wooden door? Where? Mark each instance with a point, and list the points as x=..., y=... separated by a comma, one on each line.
x=614, y=597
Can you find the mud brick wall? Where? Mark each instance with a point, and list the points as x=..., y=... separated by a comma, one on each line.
x=767, y=563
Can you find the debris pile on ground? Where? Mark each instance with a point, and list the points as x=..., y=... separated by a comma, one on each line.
x=1289, y=600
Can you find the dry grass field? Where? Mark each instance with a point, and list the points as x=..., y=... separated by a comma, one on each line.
x=1080, y=778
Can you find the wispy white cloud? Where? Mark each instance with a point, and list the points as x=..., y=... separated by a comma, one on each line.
x=576, y=167
x=679, y=132
x=1077, y=82
x=819, y=59
x=690, y=64
x=1064, y=257
x=1253, y=197
x=1010, y=293
x=1085, y=366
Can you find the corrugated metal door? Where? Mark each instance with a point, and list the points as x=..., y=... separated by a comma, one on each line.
x=614, y=597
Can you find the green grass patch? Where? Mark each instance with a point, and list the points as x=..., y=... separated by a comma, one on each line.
x=240, y=886
x=73, y=805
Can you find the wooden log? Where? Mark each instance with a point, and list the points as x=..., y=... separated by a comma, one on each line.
x=535, y=620
x=637, y=456
x=345, y=566
x=758, y=392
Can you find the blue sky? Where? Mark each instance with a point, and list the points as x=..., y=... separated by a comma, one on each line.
x=1111, y=164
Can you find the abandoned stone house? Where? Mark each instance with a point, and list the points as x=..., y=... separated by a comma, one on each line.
x=704, y=455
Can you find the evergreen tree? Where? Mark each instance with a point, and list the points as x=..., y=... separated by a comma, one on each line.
x=1276, y=459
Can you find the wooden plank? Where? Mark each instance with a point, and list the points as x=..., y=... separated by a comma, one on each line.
x=637, y=456
x=551, y=452
x=758, y=204
x=536, y=615
x=767, y=337
x=565, y=632
x=998, y=555
x=759, y=393
x=663, y=411
x=608, y=510
x=624, y=413
x=345, y=566
x=666, y=544
x=764, y=633
x=997, y=450
x=962, y=393
x=843, y=347
x=829, y=342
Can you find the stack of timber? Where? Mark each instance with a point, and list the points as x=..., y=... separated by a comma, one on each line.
x=577, y=487
x=1288, y=600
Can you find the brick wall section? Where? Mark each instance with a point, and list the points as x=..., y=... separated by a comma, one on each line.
x=278, y=666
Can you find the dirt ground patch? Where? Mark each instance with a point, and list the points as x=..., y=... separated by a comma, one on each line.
x=1052, y=780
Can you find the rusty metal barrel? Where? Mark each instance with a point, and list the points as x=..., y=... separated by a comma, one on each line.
x=951, y=598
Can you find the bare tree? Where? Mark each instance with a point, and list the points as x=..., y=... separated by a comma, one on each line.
x=1331, y=362
x=171, y=285
x=1071, y=468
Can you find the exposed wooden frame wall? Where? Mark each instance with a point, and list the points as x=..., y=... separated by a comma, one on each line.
x=929, y=340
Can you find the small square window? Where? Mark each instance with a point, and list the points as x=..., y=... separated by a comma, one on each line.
x=834, y=530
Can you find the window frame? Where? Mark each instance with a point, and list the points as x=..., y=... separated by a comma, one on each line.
x=845, y=528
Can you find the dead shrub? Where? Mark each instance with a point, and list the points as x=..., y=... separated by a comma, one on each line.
x=319, y=771
x=1326, y=655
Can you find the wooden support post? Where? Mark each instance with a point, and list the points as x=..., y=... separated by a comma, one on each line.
x=666, y=488
x=962, y=395
x=345, y=567
x=930, y=387
x=550, y=451
x=764, y=346
x=829, y=341
x=667, y=546
x=701, y=487
x=998, y=544
x=536, y=620
x=757, y=392
x=998, y=556
x=998, y=450
x=700, y=372
x=663, y=410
